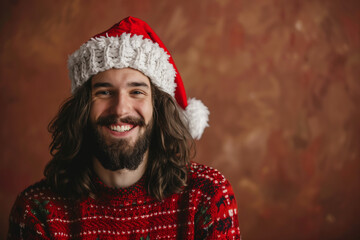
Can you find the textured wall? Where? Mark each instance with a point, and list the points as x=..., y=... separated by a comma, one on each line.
x=281, y=78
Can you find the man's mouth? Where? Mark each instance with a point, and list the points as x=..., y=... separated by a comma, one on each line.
x=122, y=128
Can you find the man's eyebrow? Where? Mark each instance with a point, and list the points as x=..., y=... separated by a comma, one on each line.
x=138, y=84
x=130, y=84
x=102, y=84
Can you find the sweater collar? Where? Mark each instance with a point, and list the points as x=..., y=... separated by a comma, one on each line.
x=129, y=195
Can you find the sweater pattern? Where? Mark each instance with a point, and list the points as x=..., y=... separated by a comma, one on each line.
x=205, y=209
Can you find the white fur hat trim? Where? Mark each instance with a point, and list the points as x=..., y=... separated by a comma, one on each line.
x=103, y=53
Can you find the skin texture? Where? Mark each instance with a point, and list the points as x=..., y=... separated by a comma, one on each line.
x=126, y=94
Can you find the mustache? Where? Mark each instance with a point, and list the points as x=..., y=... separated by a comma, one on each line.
x=113, y=119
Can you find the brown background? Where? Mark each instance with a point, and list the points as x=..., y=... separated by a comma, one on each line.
x=281, y=78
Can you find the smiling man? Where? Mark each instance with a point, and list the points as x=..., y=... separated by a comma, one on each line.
x=122, y=148
x=122, y=122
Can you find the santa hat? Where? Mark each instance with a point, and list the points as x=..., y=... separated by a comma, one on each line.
x=131, y=43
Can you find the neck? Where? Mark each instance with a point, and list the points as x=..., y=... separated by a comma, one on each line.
x=121, y=178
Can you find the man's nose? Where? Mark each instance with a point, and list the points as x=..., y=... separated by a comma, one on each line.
x=121, y=105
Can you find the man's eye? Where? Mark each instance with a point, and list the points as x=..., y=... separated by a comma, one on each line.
x=103, y=93
x=136, y=92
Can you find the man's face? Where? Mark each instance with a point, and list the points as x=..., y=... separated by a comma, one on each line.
x=121, y=117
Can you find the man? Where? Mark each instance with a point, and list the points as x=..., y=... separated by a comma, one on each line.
x=121, y=148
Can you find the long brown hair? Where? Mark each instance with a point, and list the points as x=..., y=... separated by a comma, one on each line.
x=171, y=147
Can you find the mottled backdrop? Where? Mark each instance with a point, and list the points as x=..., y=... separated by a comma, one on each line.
x=281, y=78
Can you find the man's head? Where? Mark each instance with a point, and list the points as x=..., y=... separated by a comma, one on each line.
x=131, y=43
x=121, y=117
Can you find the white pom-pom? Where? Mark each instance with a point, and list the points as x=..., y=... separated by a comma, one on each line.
x=197, y=115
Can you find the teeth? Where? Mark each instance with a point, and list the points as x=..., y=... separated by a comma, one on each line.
x=122, y=128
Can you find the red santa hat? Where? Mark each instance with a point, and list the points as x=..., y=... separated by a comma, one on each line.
x=131, y=43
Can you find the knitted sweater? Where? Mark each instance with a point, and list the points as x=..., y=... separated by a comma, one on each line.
x=205, y=209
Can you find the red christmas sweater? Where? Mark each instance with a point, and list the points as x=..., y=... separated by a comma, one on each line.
x=205, y=209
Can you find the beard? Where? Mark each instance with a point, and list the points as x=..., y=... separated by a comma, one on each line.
x=117, y=154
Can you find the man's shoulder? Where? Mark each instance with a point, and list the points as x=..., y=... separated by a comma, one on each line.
x=202, y=176
x=32, y=195
x=40, y=189
x=201, y=171
x=35, y=197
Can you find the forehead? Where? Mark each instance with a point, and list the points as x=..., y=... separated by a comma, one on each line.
x=120, y=76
